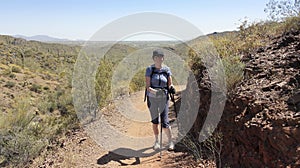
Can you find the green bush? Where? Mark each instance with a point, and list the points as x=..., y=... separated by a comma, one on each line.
x=252, y=36
x=103, y=82
x=18, y=144
x=47, y=104
x=9, y=71
x=291, y=24
x=234, y=71
x=10, y=84
x=15, y=69
x=24, y=133
x=193, y=145
x=46, y=88
x=12, y=75
x=229, y=63
x=210, y=149
x=36, y=88
x=32, y=64
x=138, y=81
x=226, y=45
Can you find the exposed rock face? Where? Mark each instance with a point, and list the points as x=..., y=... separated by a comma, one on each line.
x=261, y=119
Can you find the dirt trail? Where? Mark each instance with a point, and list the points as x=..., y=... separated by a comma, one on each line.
x=82, y=149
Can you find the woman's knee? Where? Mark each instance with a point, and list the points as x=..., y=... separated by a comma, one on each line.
x=166, y=125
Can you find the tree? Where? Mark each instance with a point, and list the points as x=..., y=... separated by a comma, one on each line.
x=279, y=10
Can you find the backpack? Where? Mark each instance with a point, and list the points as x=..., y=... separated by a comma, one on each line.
x=172, y=96
x=152, y=73
x=163, y=72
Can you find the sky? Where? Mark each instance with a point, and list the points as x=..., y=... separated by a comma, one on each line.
x=80, y=19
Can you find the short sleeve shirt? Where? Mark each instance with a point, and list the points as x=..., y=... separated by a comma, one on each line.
x=159, y=77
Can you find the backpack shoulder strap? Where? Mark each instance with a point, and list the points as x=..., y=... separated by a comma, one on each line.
x=164, y=71
x=152, y=71
x=151, y=74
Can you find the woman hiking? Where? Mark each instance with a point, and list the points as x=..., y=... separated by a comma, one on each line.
x=158, y=85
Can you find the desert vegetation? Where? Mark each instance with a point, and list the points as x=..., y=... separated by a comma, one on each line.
x=237, y=50
x=36, y=82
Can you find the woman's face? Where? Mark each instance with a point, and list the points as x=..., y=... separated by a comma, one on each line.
x=158, y=59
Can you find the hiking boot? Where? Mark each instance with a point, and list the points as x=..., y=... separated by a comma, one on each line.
x=171, y=146
x=156, y=145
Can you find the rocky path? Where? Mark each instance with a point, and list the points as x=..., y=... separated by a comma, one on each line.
x=91, y=146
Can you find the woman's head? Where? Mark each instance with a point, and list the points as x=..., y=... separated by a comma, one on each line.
x=158, y=57
x=157, y=53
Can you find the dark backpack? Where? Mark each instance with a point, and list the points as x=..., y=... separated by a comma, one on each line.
x=164, y=72
x=154, y=72
x=171, y=94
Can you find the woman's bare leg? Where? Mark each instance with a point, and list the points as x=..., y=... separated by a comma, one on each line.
x=155, y=131
x=168, y=133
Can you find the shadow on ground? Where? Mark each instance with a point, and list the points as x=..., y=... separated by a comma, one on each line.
x=122, y=154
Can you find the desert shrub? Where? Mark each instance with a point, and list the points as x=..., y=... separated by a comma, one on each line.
x=32, y=64
x=193, y=145
x=213, y=147
x=252, y=36
x=103, y=81
x=290, y=24
x=257, y=34
x=65, y=103
x=120, y=89
x=15, y=69
x=8, y=72
x=195, y=62
x=12, y=75
x=25, y=133
x=46, y=88
x=47, y=104
x=138, y=81
x=210, y=149
x=228, y=65
x=58, y=100
x=234, y=71
x=36, y=88
x=226, y=45
x=9, y=84
x=17, y=141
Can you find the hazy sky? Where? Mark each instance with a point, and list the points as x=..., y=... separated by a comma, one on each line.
x=80, y=19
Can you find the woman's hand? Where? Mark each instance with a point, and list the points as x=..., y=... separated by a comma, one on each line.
x=172, y=89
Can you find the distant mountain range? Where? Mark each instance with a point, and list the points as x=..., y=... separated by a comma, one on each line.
x=42, y=38
x=46, y=38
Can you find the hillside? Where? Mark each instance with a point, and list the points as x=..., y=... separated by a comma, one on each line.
x=259, y=126
x=36, y=104
x=260, y=122
x=36, y=100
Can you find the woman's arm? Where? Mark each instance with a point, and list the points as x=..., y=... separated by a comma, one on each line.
x=149, y=89
x=171, y=88
x=170, y=82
